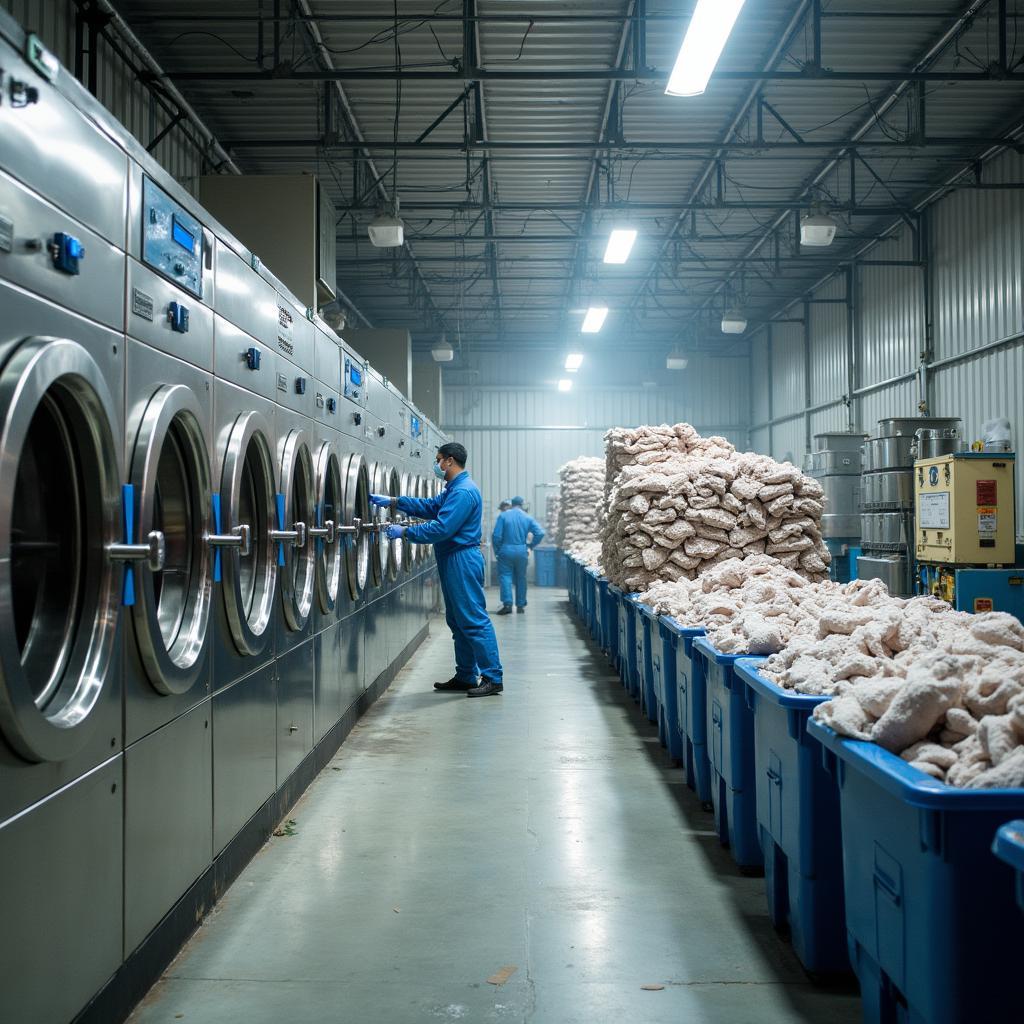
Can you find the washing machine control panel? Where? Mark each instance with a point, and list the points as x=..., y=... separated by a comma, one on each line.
x=355, y=381
x=172, y=239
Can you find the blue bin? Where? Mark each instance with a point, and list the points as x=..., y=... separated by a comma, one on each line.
x=609, y=626
x=665, y=687
x=798, y=823
x=595, y=606
x=1009, y=846
x=544, y=571
x=561, y=576
x=933, y=932
x=643, y=692
x=627, y=645
x=691, y=708
x=731, y=753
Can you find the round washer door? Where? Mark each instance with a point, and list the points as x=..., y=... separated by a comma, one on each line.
x=397, y=550
x=59, y=512
x=356, y=507
x=170, y=470
x=247, y=498
x=298, y=574
x=328, y=510
x=379, y=484
x=420, y=551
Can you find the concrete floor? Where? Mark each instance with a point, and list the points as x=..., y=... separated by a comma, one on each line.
x=450, y=838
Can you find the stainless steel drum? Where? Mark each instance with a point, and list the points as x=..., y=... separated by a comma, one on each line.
x=894, y=489
x=934, y=442
x=907, y=426
x=834, y=463
x=885, y=530
x=893, y=570
x=895, y=452
x=840, y=527
x=837, y=442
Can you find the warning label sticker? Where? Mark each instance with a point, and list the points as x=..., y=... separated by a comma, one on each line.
x=986, y=492
x=987, y=521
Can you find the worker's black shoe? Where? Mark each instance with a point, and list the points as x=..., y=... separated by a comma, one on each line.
x=454, y=684
x=521, y=609
x=506, y=609
x=485, y=689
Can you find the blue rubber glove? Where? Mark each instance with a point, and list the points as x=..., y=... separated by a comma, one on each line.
x=380, y=500
x=395, y=532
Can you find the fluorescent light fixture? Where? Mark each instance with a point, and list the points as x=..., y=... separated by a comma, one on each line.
x=573, y=361
x=675, y=360
x=594, y=320
x=620, y=244
x=703, y=43
x=565, y=384
x=817, y=229
x=734, y=322
x=442, y=351
x=386, y=230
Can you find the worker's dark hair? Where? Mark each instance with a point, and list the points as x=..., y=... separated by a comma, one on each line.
x=454, y=450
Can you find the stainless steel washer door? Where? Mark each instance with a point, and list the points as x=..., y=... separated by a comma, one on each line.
x=395, y=548
x=247, y=496
x=58, y=512
x=171, y=473
x=356, y=507
x=379, y=476
x=298, y=575
x=328, y=510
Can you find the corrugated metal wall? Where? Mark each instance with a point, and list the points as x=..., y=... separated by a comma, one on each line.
x=517, y=438
x=117, y=87
x=976, y=366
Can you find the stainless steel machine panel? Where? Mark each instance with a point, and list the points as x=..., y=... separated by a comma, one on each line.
x=245, y=470
x=38, y=244
x=295, y=684
x=840, y=441
x=243, y=360
x=55, y=148
x=59, y=589
x=840, y=527
x=835, y=463
x=892, y=570
x=244, y=298
x=894, y=489
x=168, y=823
x=294, y=335
x=296, y=388
x=154, y=310
x=351, y=659
x=327, y=655
x=379, y=396
x=169, y=421
x=62, y=865
x=327, y=358
x=244, y=751
x=884, y=530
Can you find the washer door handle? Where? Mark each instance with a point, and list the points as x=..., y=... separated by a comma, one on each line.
x=240, y=537
x=153, y=552
x=296, y=536
x=327, y=532
x=355, y=528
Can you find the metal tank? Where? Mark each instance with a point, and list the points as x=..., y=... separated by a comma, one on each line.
x=185, y=547
x=835, y=462
x=887, y=495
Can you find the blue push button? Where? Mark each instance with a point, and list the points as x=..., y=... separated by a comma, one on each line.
x=252, y=358
x=67, y=252
x=178, y=317
x=300, y=385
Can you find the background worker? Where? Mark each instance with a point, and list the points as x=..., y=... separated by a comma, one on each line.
x=512, y=548
x=455, y=526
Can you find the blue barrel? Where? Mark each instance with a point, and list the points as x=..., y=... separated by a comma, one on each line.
x=691, y=708
x=1009, y=847
x=544, y=566
x=798, y=822
x=934, y=934
x=731, y=753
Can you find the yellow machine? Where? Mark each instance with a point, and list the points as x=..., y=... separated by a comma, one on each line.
x=966, y=511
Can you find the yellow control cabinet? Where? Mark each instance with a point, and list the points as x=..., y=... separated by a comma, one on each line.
x=965, y=509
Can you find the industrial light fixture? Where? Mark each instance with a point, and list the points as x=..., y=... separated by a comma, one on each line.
x=565, y=384
x=573, y=361
x=594, y=320
x=817, y=229
x=733, y=322
x=387, y=231
x=703, y=43
x=620, y=244
x=442, y=351
x=675, y=360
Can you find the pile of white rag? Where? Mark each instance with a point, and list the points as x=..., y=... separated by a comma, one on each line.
x=942, y=689
x=580, y=502
x=679, y=503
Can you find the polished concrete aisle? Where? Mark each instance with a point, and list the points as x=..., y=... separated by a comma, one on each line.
x=541, y=832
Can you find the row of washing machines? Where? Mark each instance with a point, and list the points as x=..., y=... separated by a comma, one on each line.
x=194, y=590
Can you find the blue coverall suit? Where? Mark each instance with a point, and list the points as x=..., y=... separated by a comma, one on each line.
x=455, y=528
x=510, y=548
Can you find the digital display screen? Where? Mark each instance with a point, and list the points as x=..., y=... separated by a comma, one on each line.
x=355, y=376
x=183, y=236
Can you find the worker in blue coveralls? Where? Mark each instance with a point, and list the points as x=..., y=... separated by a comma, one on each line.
x=454, y=525
x=515, y=535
